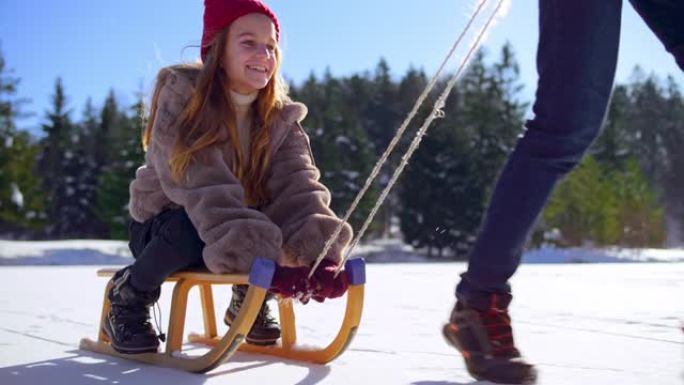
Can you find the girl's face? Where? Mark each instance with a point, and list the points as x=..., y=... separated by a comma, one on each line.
x=249, y=60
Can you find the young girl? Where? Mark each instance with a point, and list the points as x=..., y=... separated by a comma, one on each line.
x=228, y=176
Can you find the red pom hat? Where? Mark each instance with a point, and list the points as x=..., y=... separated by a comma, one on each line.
x=219, y=14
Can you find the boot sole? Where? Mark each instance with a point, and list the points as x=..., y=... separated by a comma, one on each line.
x=125, y=350
x=450, y=339
x=453, y=341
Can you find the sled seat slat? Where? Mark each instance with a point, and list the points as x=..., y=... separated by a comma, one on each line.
x=201, y=276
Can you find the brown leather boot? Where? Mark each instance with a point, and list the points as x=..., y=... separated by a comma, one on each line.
x=265, y=330
x=485, y=339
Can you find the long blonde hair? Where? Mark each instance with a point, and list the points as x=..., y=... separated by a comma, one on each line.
x=209, y=111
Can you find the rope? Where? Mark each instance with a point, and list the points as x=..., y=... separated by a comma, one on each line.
x=161, y=335
x=437, y=112
x=376, y=169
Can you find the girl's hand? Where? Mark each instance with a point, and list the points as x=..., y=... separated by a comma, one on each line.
x=325, y=285
x=291, y=282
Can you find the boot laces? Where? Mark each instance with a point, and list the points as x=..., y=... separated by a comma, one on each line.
x=133, y=319
x=264, y=317
x=161, y=335
x=136, y=317
x=497, y=324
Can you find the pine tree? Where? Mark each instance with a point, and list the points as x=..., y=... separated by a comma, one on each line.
x=641, y=217
x=381, y=117
x=611, y=148
x=655, y=135
x=451, y=175
x=673, y=179
x=438, y=200
x=340, y=146
x=88, y=177
x=636, y=156
x=601, y=205
x=62, y=161
x=491, y=113
x=52, y=158
x=646, y=125
x=21, y=200
x=584, y=208
x=381, y=113
x=125, y=149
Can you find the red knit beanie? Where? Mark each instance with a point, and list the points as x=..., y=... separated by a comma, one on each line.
x=219, y=14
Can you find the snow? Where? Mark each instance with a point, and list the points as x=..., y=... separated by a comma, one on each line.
x=69, y=252
x=17, y=196
x=341, y=139
x=588, y=255
x=581, y=323
x=99, y=252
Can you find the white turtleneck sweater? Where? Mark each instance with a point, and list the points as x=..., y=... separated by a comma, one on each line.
x=243, y=118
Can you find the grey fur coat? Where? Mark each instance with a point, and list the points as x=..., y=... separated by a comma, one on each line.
x=291, y=228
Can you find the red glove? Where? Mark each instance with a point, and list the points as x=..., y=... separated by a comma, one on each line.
x=291, y=282
x=324, y=283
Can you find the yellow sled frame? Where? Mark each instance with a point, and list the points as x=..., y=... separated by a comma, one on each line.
x=222, y=348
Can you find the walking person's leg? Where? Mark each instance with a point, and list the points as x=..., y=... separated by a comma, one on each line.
x=666, y=20
x=576, y=59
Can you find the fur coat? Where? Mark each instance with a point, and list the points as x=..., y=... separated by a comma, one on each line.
x=291, y=228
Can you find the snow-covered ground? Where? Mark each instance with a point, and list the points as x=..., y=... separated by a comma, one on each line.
x=581, y=323
x=98, y=252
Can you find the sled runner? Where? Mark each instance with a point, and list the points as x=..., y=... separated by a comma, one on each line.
x=223, y=347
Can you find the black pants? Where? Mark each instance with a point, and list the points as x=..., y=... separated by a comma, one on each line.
x=162, y=245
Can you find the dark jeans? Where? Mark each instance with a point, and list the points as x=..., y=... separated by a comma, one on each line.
x=162, y=245
x=576, y=59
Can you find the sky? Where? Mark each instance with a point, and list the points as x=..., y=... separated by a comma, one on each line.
x=96, y=46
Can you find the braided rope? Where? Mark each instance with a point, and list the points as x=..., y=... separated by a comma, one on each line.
x=437, y=112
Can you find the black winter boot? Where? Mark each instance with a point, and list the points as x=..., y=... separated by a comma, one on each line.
x=485, y=339
x=128, y=322
x=265, y=330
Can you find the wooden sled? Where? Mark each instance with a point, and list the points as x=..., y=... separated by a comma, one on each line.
x=223, y=347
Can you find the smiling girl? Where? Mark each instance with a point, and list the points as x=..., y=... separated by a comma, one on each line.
x=228, y=176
